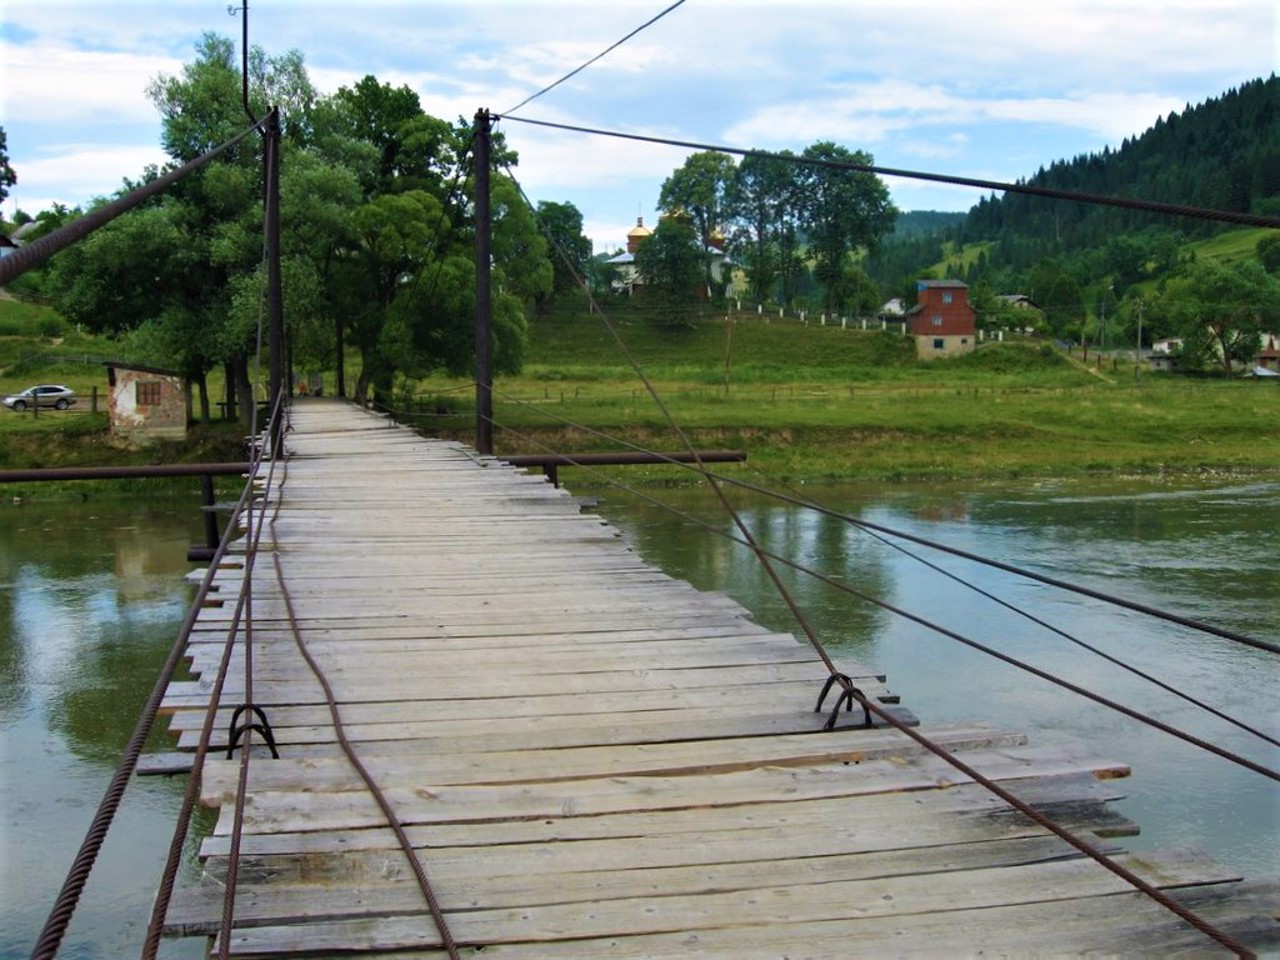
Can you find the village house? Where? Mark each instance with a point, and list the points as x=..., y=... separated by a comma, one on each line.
x=942, y=322
x=146, y=403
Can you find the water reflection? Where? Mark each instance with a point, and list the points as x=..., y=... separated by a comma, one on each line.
x=91, y=595
x=1197, y=550
x=90, y=598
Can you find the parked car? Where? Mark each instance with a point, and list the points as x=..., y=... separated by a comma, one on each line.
x=46, y=395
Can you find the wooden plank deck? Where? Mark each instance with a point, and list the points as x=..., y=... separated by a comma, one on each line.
x=592, y=759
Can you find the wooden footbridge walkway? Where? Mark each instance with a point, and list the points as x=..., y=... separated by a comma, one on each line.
x=591, y=759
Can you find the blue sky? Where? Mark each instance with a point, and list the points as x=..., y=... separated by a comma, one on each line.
x=979, y=88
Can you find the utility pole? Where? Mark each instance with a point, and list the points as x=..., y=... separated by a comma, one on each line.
x=1137, y=354
x=484, y=314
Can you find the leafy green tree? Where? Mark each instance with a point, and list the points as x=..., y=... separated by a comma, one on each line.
x=562, y=222
x=856, y=293
x=1220, y=310
x=842, y=211
x=1268, y=252
x=698, y=190
x=1060, y=297
x=7, y=176
x=760, y=201
x=670, y=266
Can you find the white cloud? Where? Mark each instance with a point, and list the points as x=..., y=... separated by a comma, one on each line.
x=957, y=87
x=75, y=173
x=44, y=82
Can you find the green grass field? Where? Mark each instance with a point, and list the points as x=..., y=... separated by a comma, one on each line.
x=820, y=402
x=804, y=401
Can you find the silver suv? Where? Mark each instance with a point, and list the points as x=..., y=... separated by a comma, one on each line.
x=46, y=395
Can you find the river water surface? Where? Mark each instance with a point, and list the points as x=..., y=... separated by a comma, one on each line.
x=91, y=595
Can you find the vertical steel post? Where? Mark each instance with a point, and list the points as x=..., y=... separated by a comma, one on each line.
x=211, y=535
x=484, y=314
x=275, y=299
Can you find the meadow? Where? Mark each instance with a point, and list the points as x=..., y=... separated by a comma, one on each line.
x=822, y=402
x=805, y=401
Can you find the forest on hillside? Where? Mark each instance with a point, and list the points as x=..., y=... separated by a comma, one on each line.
x=1222, y=154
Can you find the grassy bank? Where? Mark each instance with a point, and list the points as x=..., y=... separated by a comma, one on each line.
x=823, y=402
x=805, y=402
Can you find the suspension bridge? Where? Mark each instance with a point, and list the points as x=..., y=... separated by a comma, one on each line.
x=499, y=730
x=441, y=711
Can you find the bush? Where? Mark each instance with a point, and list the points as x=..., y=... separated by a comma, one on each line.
x=1011, y=358
x=51, y=326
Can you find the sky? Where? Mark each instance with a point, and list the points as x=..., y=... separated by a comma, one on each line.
x=980, y=88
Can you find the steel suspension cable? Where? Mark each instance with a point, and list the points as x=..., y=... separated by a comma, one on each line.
x=577, y=70
x=869, y=526
x=749, y=538
x=937, y=628
x=68, y=898
x=1098, y=856
x=155, y=927
x=892, y=720
x=384, y=803
x=803, y=502
x=32, y=254
x=1146, y=206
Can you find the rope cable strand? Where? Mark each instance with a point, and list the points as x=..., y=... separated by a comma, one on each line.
x=1148, y=206
x=930, y=625
x=379, y=796
x=599, y=56
x=870, y=527
x=888, y=717
x=882, y=538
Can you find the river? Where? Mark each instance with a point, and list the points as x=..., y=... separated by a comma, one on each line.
x=91, y=594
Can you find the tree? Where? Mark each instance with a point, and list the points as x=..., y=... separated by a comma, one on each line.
x=7, y=176
x=670, y=266
x=760, y=200
x=842, y=210
x=1268, y=252
x=1061, y=298
x=697, y=190
x=562, y=223
x=1220, y=309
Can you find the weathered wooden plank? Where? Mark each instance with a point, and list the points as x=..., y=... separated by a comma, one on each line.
x=545, y=733
x=1121, y=925
x=499, y=684
x=847, y=900
x=929, y=814
x=557, y=876
x=300, y=810
x=410, y=766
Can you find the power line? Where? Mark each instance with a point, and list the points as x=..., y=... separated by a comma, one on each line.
x=598, y=56
x=1147, y=206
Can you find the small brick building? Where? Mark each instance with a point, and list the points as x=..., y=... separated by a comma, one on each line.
x=146, y=403
x=942, y=322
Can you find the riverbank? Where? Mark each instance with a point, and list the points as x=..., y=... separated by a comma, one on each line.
x=806, y=402
x=921, y=431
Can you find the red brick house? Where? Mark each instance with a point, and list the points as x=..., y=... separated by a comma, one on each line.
x=146, y=403
x=942, y=322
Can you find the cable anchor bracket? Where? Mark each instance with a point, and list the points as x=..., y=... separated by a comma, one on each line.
x=263, y=727
x=849, y=693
